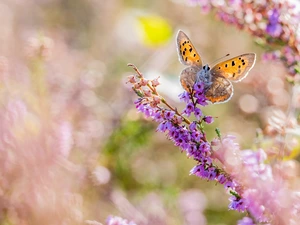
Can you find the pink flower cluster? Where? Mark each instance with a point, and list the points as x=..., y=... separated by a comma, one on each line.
x=274, y=23
x=267, y=190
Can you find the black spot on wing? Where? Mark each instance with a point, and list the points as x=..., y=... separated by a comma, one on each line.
x=232, y=63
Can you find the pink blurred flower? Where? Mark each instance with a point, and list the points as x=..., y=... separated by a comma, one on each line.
x=114, y=220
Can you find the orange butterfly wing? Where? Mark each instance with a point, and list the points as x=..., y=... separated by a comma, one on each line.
x=235, y=69
x=220, y=90
x=186, y=51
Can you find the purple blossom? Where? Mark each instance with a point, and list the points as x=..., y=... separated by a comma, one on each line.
x=189, y=109
x=229, y=184
x=237, y=204
x=274, y=28
x=158, y=116
x=201, y=100
x=193, y=126
x=162, y=127
x=185, y=97
x=197, y=113
x=221, y=178
x=208, y=119
x=199, y=87
x=205, y=146
x=196, y=135
x=246, y=221
x=169, y=114
x=212, y=173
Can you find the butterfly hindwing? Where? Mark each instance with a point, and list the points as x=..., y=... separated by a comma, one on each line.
x=188, y=77
x=220, y=90
x=186, y=51
x=235, y=69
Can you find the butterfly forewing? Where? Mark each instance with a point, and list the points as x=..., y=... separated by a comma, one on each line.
x=186, y=51
x=221, y=90
x=235, y=69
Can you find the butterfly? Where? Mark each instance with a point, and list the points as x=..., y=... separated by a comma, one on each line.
x=217, y=80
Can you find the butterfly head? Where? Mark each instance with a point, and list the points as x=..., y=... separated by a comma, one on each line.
x=206, y=68
x=204, y=76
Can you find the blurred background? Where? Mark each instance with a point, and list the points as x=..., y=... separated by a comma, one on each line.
x=73, y=148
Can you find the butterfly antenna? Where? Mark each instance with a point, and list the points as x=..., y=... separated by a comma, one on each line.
x=220, y=58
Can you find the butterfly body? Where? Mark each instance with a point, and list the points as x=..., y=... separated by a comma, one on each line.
x=217, y=80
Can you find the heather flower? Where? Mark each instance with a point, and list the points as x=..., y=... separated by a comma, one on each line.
x=208, y=119
x=184, y=96
x=155, y=82
x=115, y=220
x=198, y=113
x=245, y=221
x=274, y=28
x=189, y=109
x=274, y=22
x=237, y=204
x=131, y=79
